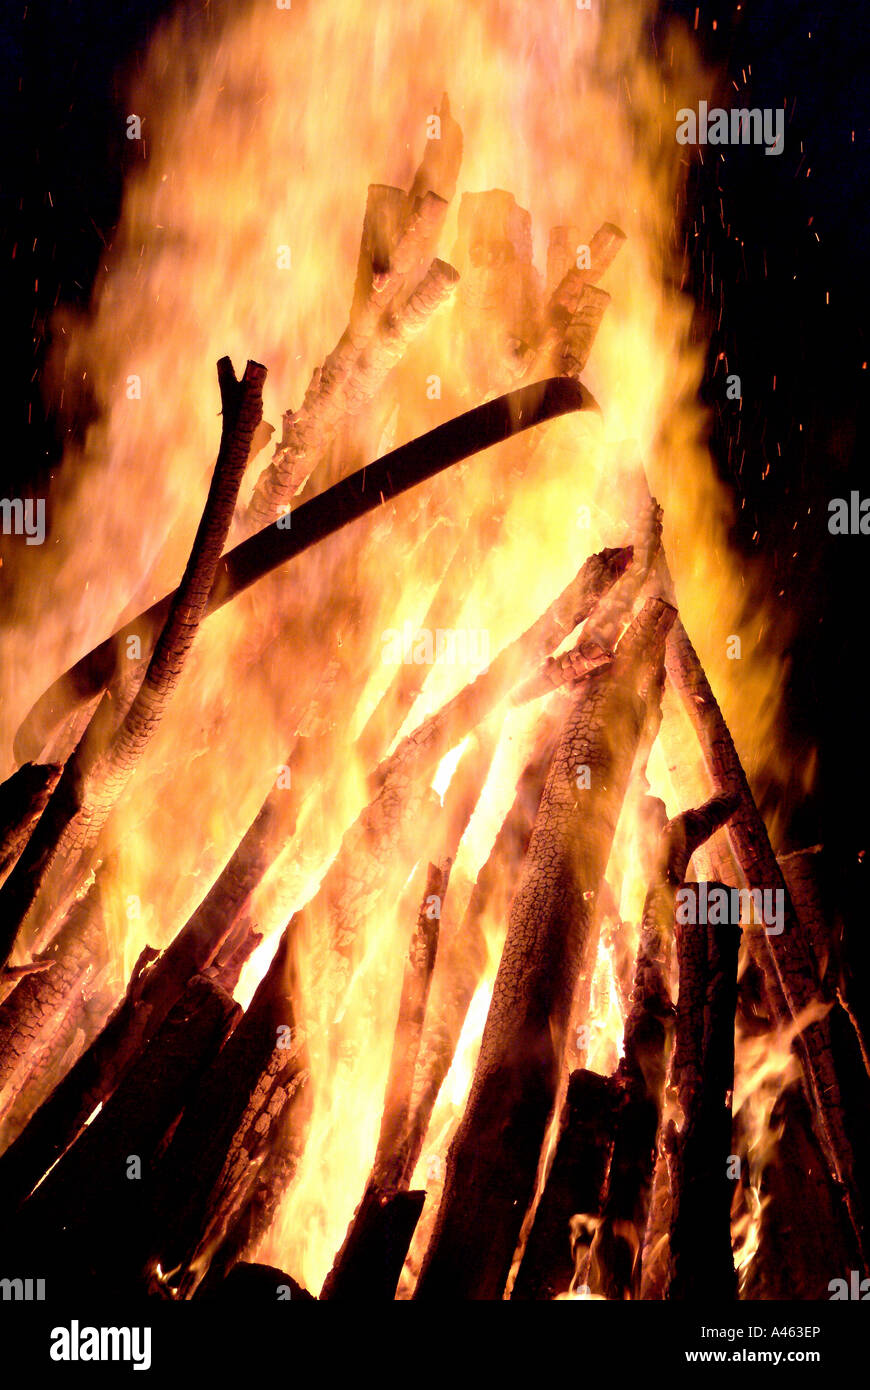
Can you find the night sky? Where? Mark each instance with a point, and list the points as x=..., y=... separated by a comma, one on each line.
x=789, y=303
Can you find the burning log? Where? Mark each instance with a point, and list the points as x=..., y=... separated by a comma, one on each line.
x=615, y=1265
x=576, y=342
x=449, y=725
x=151, y=994
x=23, y=798
x=804, y=1236
x=463, y=950
x=494, y=1156
x=354, y=497
x=409, y=1028
x=802, y=873
x=701, y=1264
x=594, y=646
x=568, y=296
x=87, y=1204
x=786, y=957
x=43, y=1006
x=95, y=776
x=581, y=330
x=574, y=1188
x=399, y=234
x=370, y=1261
x=499, y=294
x=244, y=1105
x=462, y=796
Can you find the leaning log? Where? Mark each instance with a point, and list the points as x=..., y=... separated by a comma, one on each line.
x=368, y=1266
x=463, y=951
x=354, y=497
x=23, y=798
x=574, y=1187
x=615, y=1264
x=416, y=983
x=494, y=1157
x=398, y=239
x=254, y=1093
x=460, y=800
x=786, y=956
x=36, y=1013
x=447, y=727
x=88, y=1206
x=95, y=776
x=701, y=1263
x=149, y=997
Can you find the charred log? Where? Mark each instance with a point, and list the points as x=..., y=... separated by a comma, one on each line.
x=701, y=1264
x=785, y=956
x=93, y=1202
x=95, y=776
x=494, y=1156
x=368, y=1266
x=354, y=497
x=574, y=1188
x=23, y=798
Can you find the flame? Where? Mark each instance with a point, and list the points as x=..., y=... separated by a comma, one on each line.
x=262, y=128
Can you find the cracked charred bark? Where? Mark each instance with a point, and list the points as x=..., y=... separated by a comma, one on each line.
x=494, y=1157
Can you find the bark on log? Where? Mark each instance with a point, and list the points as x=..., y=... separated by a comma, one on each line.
x=36, y=1012
x=804, y=1239
x=253, y=1095
x=95, y=776
x=494, y=1157
x=594, y=646
x=352, y=498
x=562, y=255
x=369, y=1263
x=582, y=329
x=787, y=957
x=388, y=1163
x=463, y=950
x=399, y=235
x=386, y=214
x=385, y=350
x=574, y=1187
x=460, y=800
x=150, y=995
x=23, y=798
x=701, y=1263
x=476, y=538
x=449, y=725
x=615, y=1263
x=802, y=872
x=654, y=1259
x=566, y=298
x=498, y=306
x=90, y=1209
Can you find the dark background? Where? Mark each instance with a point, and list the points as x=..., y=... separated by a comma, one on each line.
x=779, y=270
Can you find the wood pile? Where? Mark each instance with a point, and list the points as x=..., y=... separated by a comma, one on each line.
x=559, y=1181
